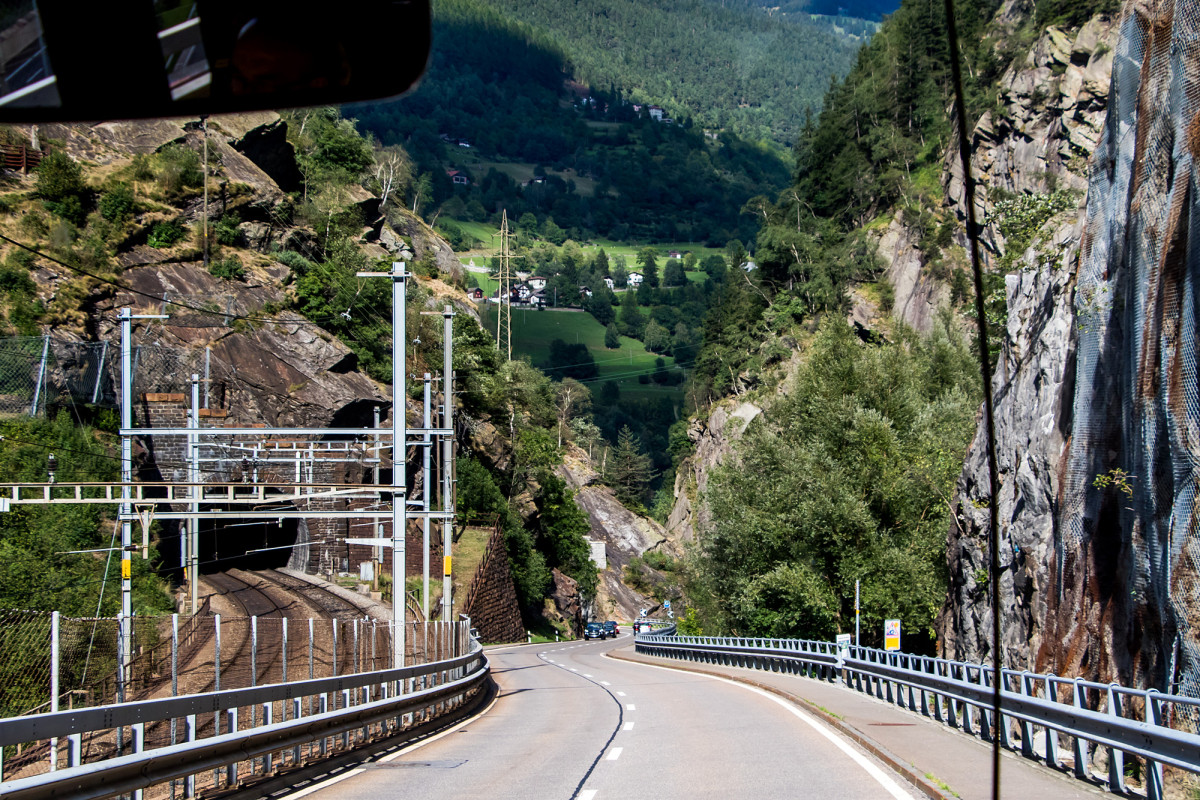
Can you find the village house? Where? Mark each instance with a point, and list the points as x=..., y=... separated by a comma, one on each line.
x=477, y=293
x=537, y=283
x=609, y=283
x=656, y=113
x=635, y=280
x=458, y=177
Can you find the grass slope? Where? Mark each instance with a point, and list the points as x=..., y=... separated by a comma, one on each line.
x=533, y=331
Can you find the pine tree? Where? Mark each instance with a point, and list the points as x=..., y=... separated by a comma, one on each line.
x=630, y=470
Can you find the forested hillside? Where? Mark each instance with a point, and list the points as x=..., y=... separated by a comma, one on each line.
x=496, y=95
x=725, y=66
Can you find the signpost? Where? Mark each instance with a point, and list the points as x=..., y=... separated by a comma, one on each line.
x=891, y=634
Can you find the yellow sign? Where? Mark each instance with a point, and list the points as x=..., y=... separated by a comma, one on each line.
x=126, y=569
x=446, y=566
x=891, y=634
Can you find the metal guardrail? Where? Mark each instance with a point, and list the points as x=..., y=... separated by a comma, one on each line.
x=380, y=699
x=1036, y=710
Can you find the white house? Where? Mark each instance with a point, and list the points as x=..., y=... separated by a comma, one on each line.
x=635, y=280
x=537, y=283
x=609, y=283
x=656, y=113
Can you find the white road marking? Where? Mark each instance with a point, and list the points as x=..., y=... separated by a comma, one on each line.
x=620, y=694
x=838, y=741
x=615, y=753
x=605, y=683
x=587, y=794
x=586, y=675
x=574, y=670
x=317, y=786
x=628, y=726
x=630, y=707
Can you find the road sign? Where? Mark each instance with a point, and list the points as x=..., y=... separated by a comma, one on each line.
x=891, y=634
x=843, y=647
x=643, y=612
x=666, y=603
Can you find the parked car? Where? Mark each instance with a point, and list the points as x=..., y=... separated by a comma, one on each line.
x=595, y=630
x=611, y=629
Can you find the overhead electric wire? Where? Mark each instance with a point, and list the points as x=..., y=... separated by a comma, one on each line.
x=985, y=369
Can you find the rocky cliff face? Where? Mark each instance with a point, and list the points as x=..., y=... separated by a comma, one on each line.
x=1095, y=395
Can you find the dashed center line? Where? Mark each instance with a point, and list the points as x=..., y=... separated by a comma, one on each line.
x=586, y=675
x=587, y=794
x=605, y=683
x=628, y=726
x=630, y=707
x=620, y=694
x=615, y=753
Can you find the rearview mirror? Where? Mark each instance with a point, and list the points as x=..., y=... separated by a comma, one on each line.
x=62, y=60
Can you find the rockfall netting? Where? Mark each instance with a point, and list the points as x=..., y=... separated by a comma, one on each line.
x=1129, y=513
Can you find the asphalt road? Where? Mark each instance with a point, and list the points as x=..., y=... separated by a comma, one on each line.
x=570, y=723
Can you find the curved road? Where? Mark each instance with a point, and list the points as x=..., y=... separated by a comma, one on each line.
x=570, y=723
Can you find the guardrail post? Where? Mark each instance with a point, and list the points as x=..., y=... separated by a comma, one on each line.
x=1003, y=726
x=985, y=714
x=189, y=783
x=936, y=668
x=268, y=761
x=1027, y=727
x=968, y=710
x=1051, y=734
x=345, y=705
x=138, y=743
x=231, y=769
x=297, y=712
x=1116, y=758
x=323, y=706
x=75, y=749
x=1154, y=770
x=1079, y=745
x=952, y=671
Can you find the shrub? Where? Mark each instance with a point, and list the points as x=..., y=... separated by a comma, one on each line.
x=59, y=177
x=165, y=234
x=178, y=169
x=229, y=268
x=117, y=203
x=227, y=229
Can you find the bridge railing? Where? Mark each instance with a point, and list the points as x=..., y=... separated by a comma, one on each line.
x=211, y=748
x=1123, y=731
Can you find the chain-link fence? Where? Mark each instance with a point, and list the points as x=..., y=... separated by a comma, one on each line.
x=175, y=655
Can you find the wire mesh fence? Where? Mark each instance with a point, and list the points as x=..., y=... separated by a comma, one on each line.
x=177, y=655
x=1136, y=406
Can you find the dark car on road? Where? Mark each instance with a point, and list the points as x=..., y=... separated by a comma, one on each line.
x=611, y=629
x=595, y=630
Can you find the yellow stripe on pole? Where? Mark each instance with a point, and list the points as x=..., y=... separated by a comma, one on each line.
x=446, y=565
x=126, y=569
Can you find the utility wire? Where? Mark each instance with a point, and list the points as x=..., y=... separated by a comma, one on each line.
x=985, y=370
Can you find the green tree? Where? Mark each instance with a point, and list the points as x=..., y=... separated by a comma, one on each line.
x=673, y=274
x=648, y=262
x=848, y=477
x=562, y=531
x=629, y=469
x=612, y=337
x=58, y=177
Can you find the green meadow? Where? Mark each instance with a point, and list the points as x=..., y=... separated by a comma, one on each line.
x=533, y=330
